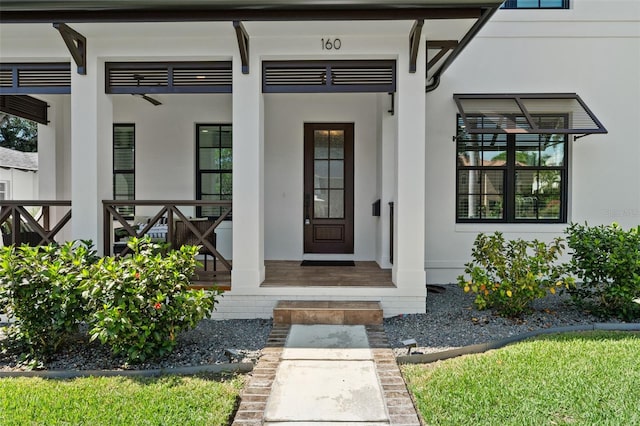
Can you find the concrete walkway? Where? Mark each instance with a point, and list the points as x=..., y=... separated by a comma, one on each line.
x=326, y=375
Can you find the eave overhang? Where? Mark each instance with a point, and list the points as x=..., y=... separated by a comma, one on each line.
x=441, y=52
x=514, y=113
x=34, y=11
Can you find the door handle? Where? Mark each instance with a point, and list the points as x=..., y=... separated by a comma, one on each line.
x=307, y=209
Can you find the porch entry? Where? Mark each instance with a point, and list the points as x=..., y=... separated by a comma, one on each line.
x=328, y=187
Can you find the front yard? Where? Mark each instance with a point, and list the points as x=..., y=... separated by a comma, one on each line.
x=168, y=400
x=577, y=379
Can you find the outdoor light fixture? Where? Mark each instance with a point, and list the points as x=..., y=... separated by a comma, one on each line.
x=409, y=343
x=232, y=354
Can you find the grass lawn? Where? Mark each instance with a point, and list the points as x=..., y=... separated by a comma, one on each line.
x=574, y=379
x=168, y=400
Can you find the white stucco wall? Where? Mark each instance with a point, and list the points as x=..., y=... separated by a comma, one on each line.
x=592, y=50
x=285, y=115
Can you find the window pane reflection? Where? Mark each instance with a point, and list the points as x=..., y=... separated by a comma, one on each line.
x=336, y=204
x=321, y=144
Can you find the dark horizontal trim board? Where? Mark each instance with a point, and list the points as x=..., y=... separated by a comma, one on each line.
x=183, y=13
x=328, y=263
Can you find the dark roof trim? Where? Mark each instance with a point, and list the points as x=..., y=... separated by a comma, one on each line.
x=514, y=113
x=185, y=14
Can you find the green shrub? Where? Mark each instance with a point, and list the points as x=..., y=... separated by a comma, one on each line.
x=508, y=275
x=141, y=302
x=606, y=260
x=40, y=289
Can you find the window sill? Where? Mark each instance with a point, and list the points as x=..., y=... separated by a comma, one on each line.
x=537, y=228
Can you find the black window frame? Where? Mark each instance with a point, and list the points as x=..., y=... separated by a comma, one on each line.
x=128, y=212
x=200, y=172
x=514, y=4
x=509, y=180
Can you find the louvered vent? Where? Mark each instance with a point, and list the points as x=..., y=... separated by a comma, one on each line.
x=44, y=78
x=295, y=76
x=359, y=76
x=138, y=78
x=35, y=78
x=168, y=77
x=6, y=79
x=202, y=77
x=328, y=76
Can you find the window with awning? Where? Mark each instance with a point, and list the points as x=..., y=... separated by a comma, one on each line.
x=512, y=155
x=525, y=113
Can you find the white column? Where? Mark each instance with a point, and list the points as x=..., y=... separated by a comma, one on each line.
x=50, y=160
x=91, y=152
x=388, y=132
x=408, y=271
x=248, y=178
x=47, y=151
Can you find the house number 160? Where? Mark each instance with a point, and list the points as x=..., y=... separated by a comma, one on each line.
x=331, y=44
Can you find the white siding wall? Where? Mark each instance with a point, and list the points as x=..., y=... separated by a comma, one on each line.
x=592, y=50
x=22, y=184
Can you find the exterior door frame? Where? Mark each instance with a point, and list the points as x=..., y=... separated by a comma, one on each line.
x=328, y=235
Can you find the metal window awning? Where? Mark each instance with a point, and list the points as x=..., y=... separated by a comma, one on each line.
x=521, y=113
x=25, y=106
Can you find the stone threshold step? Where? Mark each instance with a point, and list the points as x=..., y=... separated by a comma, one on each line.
x=327, y=312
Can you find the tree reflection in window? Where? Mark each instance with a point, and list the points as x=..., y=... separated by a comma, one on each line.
x=511, y=177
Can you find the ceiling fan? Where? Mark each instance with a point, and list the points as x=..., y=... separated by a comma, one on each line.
x=153, y=101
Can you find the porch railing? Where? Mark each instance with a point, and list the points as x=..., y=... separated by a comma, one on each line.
x=169, y=211
x=29, y=221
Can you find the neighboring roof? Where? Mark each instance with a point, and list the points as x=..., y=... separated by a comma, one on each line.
x=12, y=159
x=211, y=10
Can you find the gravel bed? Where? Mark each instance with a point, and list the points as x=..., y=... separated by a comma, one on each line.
x=205, y=344
x=451, y=322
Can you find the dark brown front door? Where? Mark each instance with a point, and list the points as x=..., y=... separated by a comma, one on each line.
x=328, y=188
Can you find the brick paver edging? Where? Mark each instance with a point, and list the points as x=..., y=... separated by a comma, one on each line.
x=400, y=405
x=256, y=392
x=483, y=347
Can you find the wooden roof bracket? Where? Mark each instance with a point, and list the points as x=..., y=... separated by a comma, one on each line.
x=77, y=45
x=414, y=44
x=444, y=45
x=243, y=45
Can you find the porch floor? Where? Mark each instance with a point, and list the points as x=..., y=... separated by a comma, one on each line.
x=289, y=273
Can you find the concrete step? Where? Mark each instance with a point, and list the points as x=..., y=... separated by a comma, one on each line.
x=327, y=312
